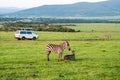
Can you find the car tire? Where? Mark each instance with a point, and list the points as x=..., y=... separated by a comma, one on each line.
x=34, y=38
x=19, y=39
x=23, y=38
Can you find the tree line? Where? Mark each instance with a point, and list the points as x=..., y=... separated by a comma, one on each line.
x=35, y=26
x=59, y=20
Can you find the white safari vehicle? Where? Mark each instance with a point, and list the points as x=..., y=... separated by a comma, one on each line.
x=25, y=34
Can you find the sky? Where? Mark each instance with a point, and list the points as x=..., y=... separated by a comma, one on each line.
x=35, y=3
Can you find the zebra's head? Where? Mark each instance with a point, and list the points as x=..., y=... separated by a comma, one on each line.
x=66, y=45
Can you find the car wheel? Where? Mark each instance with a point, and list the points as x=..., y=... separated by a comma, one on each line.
x=34, y=38
x=19, y=39
x=23, y=38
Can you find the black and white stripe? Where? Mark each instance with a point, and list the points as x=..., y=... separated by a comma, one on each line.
x=58, y=49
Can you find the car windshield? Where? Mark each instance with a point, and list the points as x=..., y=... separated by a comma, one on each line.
x=34, y=32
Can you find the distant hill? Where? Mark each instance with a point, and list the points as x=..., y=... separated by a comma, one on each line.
x=82, y=9
x=9, y=10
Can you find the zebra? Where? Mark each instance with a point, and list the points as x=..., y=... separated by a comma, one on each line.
x=58, y=49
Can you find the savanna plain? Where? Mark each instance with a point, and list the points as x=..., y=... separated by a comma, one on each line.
x=96, y=58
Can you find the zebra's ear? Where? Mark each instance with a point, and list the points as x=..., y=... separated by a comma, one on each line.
x=66, y=41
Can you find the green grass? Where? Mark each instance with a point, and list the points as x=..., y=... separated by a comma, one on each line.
x=26, y=60
x=96, y=59
x=60, y=36
x=96, y=27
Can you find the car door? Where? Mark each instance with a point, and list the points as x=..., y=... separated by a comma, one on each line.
x=29, y=35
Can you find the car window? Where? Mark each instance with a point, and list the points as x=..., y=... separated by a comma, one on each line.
x=29, y=32
x=22, y=32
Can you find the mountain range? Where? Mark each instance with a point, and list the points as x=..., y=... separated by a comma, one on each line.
x=81, y=9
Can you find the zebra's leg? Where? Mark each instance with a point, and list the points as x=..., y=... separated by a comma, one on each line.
x=48, y=53
x=60, y=57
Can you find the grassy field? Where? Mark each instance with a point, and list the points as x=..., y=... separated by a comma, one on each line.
x=96, y=27
x=96, y=59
